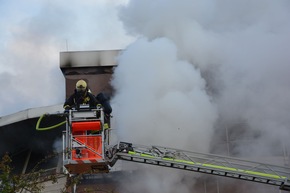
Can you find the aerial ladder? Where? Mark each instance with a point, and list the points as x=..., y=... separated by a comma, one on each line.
x=87, y=149
x=205, y=163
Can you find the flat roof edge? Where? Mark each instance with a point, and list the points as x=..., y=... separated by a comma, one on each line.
x=71, y=59
x=29, y=114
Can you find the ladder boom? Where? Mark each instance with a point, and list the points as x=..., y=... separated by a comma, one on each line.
x=206, y=163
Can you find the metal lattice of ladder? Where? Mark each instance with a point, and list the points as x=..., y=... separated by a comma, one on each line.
x=206, y=163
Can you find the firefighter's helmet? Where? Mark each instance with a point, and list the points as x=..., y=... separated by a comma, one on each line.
x=81, y=85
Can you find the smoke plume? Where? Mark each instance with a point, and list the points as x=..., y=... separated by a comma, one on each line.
x=161, y=97
x=201, y=68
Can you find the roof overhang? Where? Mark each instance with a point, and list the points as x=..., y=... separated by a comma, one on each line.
x=29, y=114
x=88, y=58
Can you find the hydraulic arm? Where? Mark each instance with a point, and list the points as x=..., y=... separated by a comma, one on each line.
x=205, y=163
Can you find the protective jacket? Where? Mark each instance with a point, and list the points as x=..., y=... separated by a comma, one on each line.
x=77, y=99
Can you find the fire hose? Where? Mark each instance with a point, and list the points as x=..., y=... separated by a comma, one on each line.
x=50, y=127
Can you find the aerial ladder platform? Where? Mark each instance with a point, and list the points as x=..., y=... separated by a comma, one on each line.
x=85, y=141
x=87, y=149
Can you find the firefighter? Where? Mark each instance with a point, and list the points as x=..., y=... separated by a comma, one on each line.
x=81, y=95
x=104, y=101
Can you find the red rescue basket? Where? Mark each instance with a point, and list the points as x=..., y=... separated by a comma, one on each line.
x=84, y=142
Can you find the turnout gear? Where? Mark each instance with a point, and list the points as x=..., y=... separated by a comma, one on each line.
x=80, y=96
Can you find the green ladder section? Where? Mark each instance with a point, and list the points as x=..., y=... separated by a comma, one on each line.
x=206, y=163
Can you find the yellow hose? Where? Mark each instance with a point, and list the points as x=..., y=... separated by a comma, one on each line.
x=47, y=128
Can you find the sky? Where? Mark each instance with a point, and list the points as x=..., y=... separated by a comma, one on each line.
x=190, y=71
x=32, y=35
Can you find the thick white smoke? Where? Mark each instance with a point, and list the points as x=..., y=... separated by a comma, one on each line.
x=199, y=62
x=240, y=48
x=160, y=99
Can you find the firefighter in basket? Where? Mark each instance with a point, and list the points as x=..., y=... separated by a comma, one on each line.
x=82, y=95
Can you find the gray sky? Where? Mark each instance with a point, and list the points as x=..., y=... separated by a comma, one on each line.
x=32, y=35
